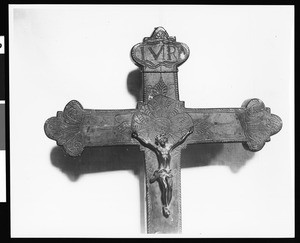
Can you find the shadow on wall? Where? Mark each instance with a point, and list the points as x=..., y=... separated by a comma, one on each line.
x=135, y=84
x=98, y=159
x=114, y=158
x=232, y=155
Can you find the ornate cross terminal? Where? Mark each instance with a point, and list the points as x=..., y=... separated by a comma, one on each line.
x=162, y=127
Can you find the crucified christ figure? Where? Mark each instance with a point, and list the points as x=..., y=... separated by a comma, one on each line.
x=162, y=175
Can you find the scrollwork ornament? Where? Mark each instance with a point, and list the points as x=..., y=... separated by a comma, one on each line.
x=66, y=128
x=259, y=124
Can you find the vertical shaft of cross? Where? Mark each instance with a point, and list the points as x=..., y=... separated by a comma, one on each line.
x=158, y=56
x=164, y=83
x=156, y=222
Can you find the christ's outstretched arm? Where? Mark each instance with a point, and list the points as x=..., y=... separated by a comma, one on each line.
x=183, y=138
x=143, y=141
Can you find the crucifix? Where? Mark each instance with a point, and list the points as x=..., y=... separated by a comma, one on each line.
x=162, y=126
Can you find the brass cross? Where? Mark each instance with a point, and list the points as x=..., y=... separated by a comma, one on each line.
x=162, y=126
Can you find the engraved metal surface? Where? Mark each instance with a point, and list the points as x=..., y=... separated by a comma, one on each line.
x=162, y=127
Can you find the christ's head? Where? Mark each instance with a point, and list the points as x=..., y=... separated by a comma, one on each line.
x=161, y=139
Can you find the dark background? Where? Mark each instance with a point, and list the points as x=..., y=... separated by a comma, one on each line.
x=2, y=126
x=2, y=86
x=4, y=207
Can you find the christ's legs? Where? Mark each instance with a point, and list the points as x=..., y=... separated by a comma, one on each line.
x=169, y=189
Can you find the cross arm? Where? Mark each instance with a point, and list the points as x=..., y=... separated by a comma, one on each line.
x=75, y=128
x=252, y=125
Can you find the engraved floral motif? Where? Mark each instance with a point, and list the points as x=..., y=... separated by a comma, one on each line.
x=122, y=131
x=202, y=127
x=65, y=128
x=161, y=115
x=258, y=123
x=159, y=88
